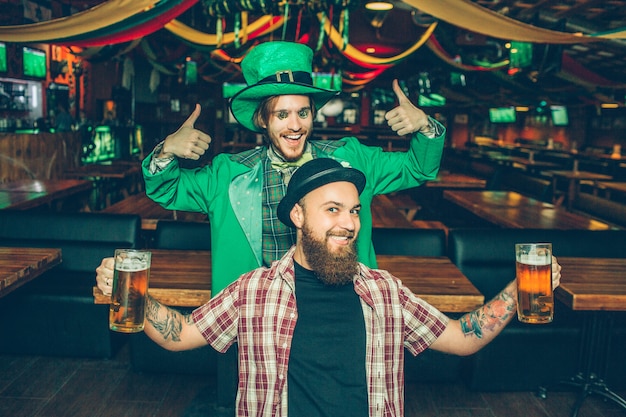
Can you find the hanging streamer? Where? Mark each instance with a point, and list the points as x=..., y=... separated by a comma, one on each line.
x=345, y=30
x=286, y=17
x=363, y=59
x=320, y=41
x=244, y=27
x=299, y=23
x=259, y=27
x=237, y=28
x=219, y=31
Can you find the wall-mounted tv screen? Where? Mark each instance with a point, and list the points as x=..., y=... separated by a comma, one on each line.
x=230, y=89
x=330, y=81
x=34, y=61
x=432, y=100
x=502, y=115
x=560, y=116
x=520, y=55
x=191, y=73
x=3, y=57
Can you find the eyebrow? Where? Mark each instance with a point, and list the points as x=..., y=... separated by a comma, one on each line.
x=337, y=203
x=300, y=109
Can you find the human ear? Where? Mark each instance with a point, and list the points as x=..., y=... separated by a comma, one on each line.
x=297, y=215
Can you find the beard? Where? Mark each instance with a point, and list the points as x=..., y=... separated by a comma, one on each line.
x=330, y=268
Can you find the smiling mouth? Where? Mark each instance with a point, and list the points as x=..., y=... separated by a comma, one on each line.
x=341, y=239
x=293, y=138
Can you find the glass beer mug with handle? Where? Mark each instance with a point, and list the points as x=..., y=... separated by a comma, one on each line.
x=130, y=285
x=533, y=266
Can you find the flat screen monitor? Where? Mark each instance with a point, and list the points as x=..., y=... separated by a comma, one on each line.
x=34, y=61
x=521, y=54
x=191, y=73
x=432, y=100
x=329, y=81
x=457, y=79
x=3, y=57
x=230, y=89
x=502, y=115
x=560, y=116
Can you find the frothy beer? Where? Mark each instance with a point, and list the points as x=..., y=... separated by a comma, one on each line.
x=534, y=283
x=130, y=285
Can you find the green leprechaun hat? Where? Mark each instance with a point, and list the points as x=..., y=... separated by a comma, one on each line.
x=273, y=69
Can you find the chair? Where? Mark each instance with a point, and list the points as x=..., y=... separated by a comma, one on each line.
x=410, y=242
x=510, y=362
x=430, y=365
x=601, y=208
x=539, y=188
x=182, y=235
x=147, y=355
x=55, y=314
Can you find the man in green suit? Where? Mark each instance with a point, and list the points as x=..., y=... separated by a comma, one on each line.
x=240, y=192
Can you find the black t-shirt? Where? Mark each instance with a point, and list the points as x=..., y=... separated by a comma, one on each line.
x=327, y=361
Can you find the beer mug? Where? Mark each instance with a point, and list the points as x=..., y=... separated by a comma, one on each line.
x=130, y=285
x=533, y=266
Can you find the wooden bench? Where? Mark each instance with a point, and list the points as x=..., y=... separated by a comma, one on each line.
x=601, y=208
x=514, y=180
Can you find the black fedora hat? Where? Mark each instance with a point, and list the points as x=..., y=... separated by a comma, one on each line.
x=312, y=175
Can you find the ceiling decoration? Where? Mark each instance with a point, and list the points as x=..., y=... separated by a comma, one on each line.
x=579, y=46
x=471, y=16
x=99, y=16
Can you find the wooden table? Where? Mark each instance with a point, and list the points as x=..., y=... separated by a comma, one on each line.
x=20, y=265
x=150, y=212
x=28, y=194
x=596, y=286
x=436, y=280
x=574, y=178
x=456, y=180
x=183, y=278
x=110, y=178
x=512, y=209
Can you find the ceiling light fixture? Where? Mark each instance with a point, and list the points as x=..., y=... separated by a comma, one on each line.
x=379, y=6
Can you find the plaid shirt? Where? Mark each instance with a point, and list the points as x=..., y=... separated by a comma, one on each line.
x=259, y=312
x=277, y=237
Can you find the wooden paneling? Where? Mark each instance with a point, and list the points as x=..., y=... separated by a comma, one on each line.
x=40, y=156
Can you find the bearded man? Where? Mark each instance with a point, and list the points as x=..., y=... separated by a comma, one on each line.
x=319, y=333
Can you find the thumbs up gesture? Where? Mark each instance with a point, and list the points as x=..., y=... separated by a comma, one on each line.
x=406, y=118
x=187, y=142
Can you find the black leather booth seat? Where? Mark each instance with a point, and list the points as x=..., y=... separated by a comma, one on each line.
x=524, y=356
x=145, y=354
x=55, y=314
x=429, y=365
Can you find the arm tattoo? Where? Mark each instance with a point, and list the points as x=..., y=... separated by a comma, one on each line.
x=169, y=327
x=488, y=317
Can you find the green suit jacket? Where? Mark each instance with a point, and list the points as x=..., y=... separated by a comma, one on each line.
x=229, y=191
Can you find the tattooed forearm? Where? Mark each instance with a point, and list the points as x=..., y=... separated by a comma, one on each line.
x=167, y=322
x=490, y=316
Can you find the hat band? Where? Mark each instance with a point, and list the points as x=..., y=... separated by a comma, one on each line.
x=289, y=77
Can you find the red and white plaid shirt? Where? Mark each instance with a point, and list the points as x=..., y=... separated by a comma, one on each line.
x=259, y=311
